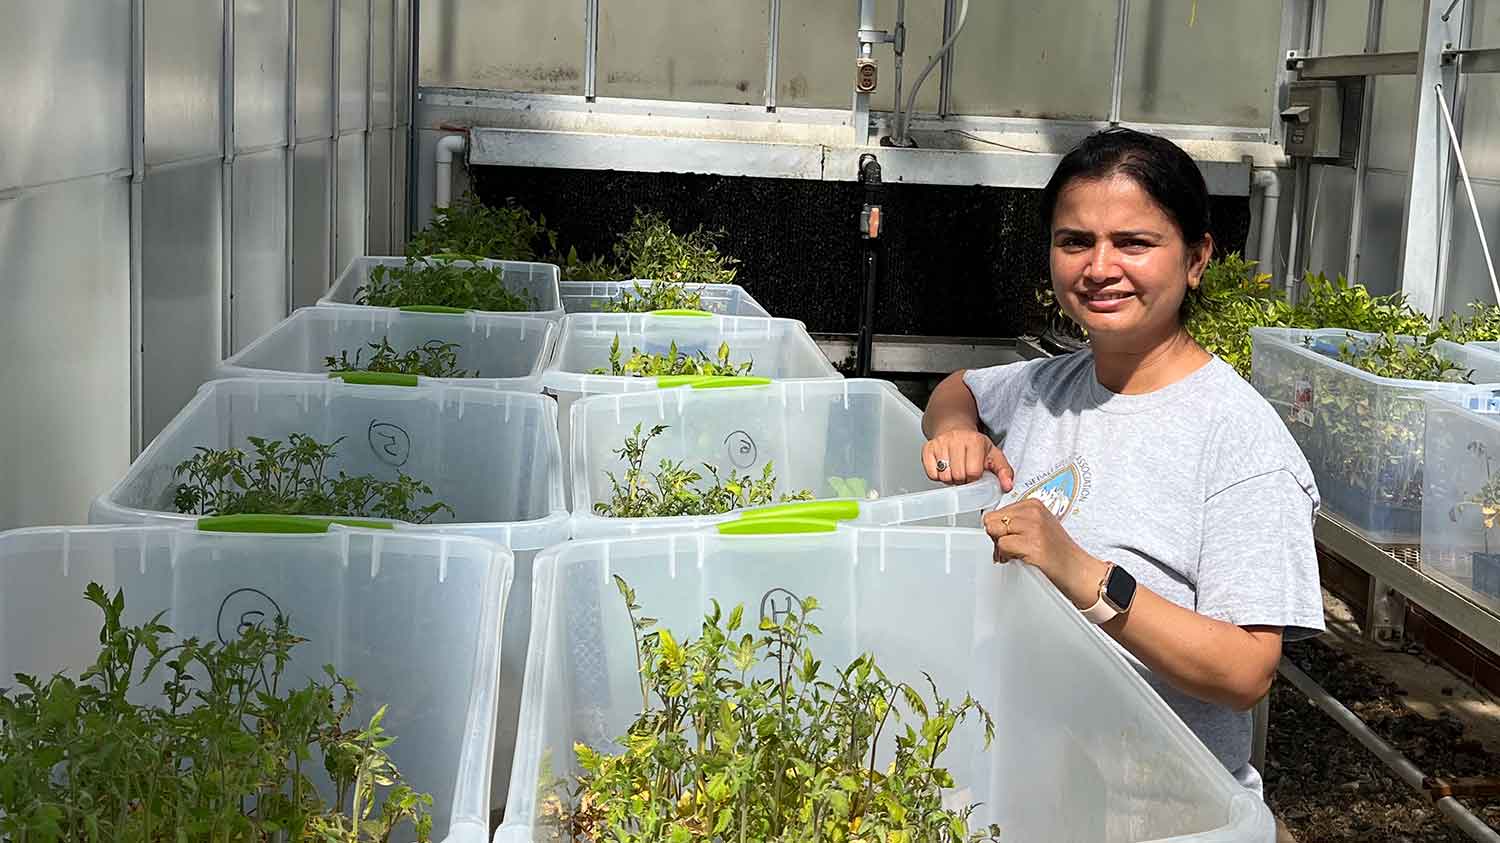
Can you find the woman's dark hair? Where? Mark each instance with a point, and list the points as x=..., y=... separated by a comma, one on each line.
x=1167, y=174
x=1160, y=167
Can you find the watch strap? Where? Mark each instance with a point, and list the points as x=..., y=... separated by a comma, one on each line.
x=1102, y=611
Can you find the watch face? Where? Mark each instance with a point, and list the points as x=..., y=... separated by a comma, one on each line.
x=1119, y=588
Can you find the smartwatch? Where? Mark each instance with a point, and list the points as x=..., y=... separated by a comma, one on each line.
x=1116, y=593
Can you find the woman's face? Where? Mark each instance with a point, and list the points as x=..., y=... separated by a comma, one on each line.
x=1120, y=267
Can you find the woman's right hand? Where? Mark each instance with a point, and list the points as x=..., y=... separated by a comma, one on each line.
x=966, y=455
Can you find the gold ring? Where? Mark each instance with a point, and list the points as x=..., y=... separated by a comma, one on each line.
x=1005, y=521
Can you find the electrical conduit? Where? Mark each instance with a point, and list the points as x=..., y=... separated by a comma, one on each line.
x=1269, y=186
x=903, y=116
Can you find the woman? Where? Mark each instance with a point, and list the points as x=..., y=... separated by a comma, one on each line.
x=1152, y=485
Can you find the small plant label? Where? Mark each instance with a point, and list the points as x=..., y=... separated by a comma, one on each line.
x=391, y=443
x=1302, y=402
x=741, y=449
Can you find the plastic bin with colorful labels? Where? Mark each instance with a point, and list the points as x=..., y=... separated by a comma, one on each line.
x=536, y=283
x=1361, y=433
x=858, y=441
x=597, y=296
x=1083, y=748
x=377, y=605
x=491, y=456
x=491, y=350
x=777, y=349
x=1461, y=496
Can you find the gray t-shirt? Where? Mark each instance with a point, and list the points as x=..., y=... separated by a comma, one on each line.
x=1196, y=489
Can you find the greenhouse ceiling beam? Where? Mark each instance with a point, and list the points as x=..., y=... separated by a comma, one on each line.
x=812, y=161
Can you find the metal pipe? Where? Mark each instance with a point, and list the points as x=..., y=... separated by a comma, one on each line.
x=590, y=49
x=226, y=182
x=1463, y=172
x=1362, y=152
x=447, y=147
x=903, y=118
x=773, y=39
x=1268, y=182
x=898, y=47
x=945, y=75
x=1117, y=81
x=137, y=216
x=413, y=72
x=1399, y=764
x=290, y=159
x=862, y=49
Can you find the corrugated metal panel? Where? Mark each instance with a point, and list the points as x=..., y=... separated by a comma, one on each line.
x=1380, y=243
x=506, y=45
x=354, y=72
x=65, y=335
x=816, y=68
x=1344, y=24
x=259, y=258
x=400, y=199
x=349, y=239
x=65, y=92
x=403, y=61
x=181, y=297
x=184, y=56
x=1330, y=206
x=378, y=195
x=311, y=238
x=260, y=72
x=1189, y=62
x=709, y=50
x=1014, y=59
x=1468, y=278
x=382, y=58
x=314, y=69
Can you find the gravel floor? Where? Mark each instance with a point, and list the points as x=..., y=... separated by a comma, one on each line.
x=1325, y=786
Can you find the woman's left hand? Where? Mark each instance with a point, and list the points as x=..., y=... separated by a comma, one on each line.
x=1028, y=531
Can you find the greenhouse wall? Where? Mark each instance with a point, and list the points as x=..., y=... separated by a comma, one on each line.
x=176, y=175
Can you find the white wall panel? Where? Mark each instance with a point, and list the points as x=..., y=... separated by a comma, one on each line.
x=65, y=95
x=1014, y=61
x=382, y=59
x=354, y=70
x=701, y=50
x=314, y=69
x=184, y=57
x=378, y=195
x=258, y=260
x=349, y=238
x=1468, y=278
x=260, y=33
x=506, y=45
x=1205, y=67
x=1330, y=207
x=181, y=293
x=312, y=239
x=65, y=337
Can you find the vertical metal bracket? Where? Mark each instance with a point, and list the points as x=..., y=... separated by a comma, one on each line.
x=1385, y=615
x=289, y=173
x=137, y=214
x=945, y=70
x=1421, y=227
x=226, y=176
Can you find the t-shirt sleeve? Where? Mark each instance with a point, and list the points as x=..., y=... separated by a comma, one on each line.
x=997, y=392
x=1259, y=565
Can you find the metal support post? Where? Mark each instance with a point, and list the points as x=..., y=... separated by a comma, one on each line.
x=863, y=49
x=1362, y=153
x=137, y=214
x=226, y=177
x=1117, y=80
x=945, y=83
x=773, y=39
x=590, y=49
x=290, y=159
x=870, y=223
x=1421, y=229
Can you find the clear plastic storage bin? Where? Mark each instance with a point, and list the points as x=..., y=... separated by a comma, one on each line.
x=539, y=279
x=491, y=455
x=374, y=604
x=1461, y=482
x=1362, y=434
x=507, y=351
x=859, y=440
x=779, y=348
x=723, y=299
x=1083, y=749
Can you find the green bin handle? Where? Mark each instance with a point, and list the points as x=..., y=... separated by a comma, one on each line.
x=431, y=308
x=376, y=378
x=680, y=311
x=282, y=524
x=710, y=381
x=777, y=526
x=825, y=510
x=455, y=256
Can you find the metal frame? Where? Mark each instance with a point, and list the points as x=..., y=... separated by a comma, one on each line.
x=226, y=185
x=773, y=53
x=137, y=217
x=1421, y=227
x=289, y=173
x=1117, y=76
